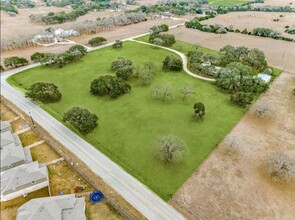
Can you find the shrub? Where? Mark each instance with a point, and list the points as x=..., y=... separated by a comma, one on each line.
x=81, y=49
x=168, y=39
x=81, y=119
x=241, y=98
x=44, y=92
x=96, y=41
x=172, y=63
x=125, y=72
x=118, y=44
x=120, y=62
x=281, y=166
x=199, y=109
x=15, y=61
x=37, y=57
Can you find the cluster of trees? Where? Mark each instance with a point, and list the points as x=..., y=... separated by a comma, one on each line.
x=166, y=40
x=172, y=63
x=61, y=17
x=290, y=31
x=7, y=7
x=37, y=57
x=240, y=80
x=174, y=7
x=109, y=85
x=195, y=24
x=81, y=119
x=263, y=32
x=237, y=77
x=73, y=54
x=228, y=54
x=17, y=42
x=160, y=28
x=249, y=7
x=44, y=92
x=96, y=41
x=165, y=92
x=15, y=61
x=254, y=58
x=92, y=27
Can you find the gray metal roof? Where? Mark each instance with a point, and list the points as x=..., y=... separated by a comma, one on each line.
x=65, y=207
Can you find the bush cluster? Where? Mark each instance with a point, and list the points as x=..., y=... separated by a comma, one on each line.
x=109, y=85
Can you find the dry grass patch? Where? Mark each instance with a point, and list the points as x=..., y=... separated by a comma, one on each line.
x=7, y=115
x=64, y=179
x=43, y=153
x=9, y=208
x=3, y=107
x=18, y=125
x=29, y=137
x=101, y=211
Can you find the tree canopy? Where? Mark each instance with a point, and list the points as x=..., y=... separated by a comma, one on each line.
x=172, y=63
x=167, y=39
x=199, y=109
x=44, y=92
x=120, y=62
x=109, y=85
x=81, y=119
x=171, y=149
x=96, y=41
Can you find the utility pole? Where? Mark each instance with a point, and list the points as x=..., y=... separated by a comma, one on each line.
x=30, y=114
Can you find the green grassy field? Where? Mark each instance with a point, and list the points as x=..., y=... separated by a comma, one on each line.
x=130, y=126
x=227, y=2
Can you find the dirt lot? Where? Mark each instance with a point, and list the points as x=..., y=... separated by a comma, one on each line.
x=234, y=185
x=251, y=20
x=64, y=179
x=43, y=153
x=9, y=208
x=29, y=137
x=112, y=35
x=278, y=53
x=22, y=25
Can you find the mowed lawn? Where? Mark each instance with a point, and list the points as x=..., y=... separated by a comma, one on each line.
x=131, y=125
x=227, y=2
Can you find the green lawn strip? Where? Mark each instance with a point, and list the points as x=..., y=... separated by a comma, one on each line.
x=130, y=126
x=227, y=2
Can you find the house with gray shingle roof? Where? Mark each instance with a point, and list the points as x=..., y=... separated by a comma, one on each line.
x=66, y=207
x=14, y=155
x=5, y=126
x=12, y=152
x=23, y=179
